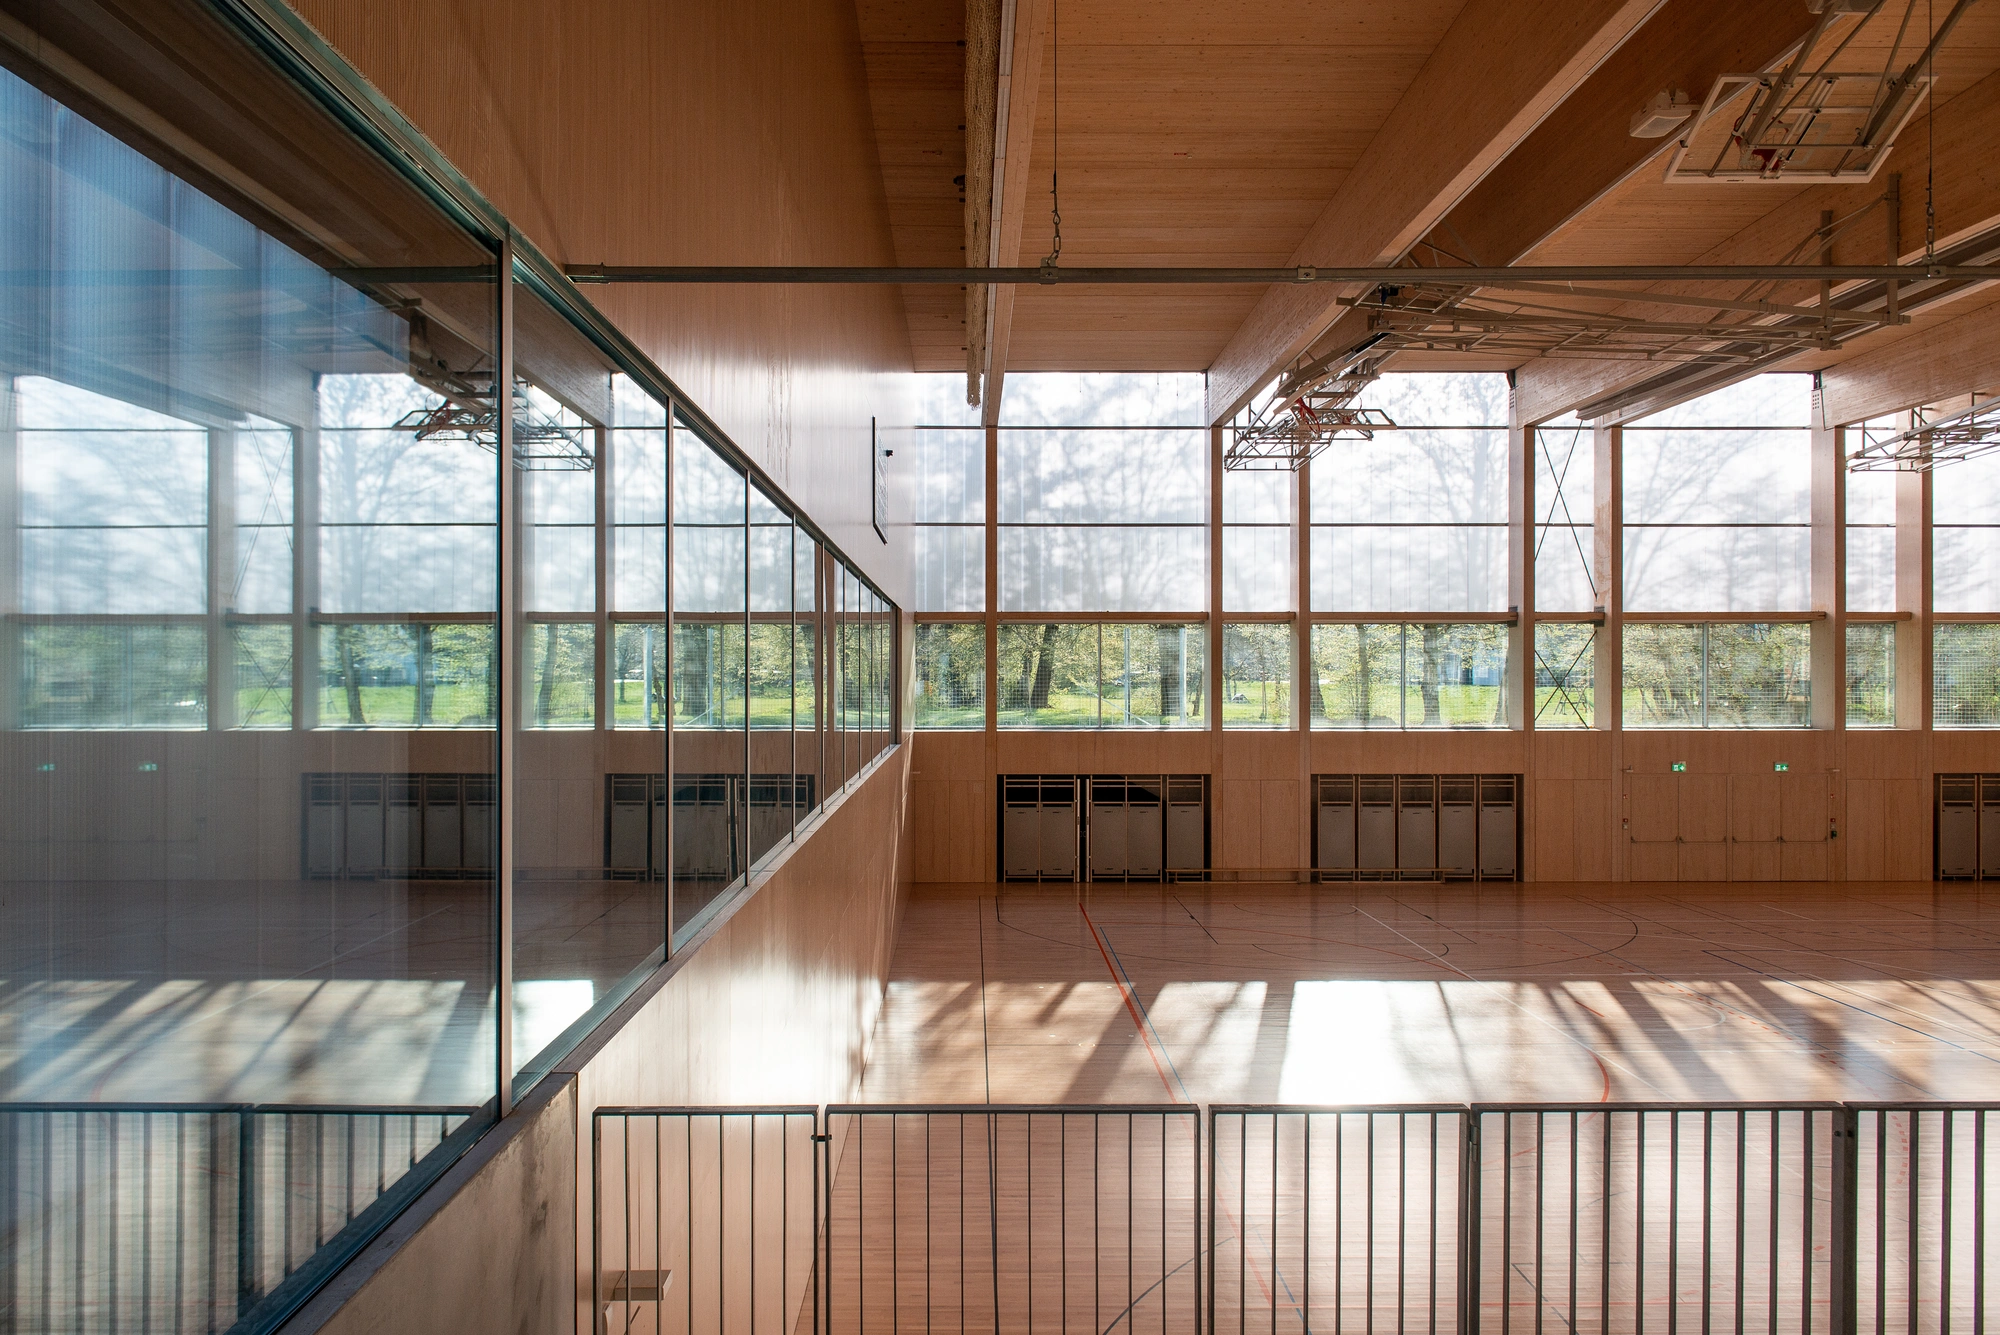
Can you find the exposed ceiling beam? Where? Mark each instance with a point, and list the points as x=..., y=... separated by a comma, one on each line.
x=1527, y=277
x=983, y=22
x=1023, y=36
x=1499, y=70
x=1938, y=362
x=1585, y=148
x=1967, y=204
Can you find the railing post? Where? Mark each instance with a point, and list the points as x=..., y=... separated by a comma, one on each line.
x=1468, y=1221
x=246, y=1211
x=1212, y=1151
x=1842, y=1250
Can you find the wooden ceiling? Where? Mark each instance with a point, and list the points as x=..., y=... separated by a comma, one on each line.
x=1194, y=132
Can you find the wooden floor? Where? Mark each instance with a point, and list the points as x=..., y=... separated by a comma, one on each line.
x=1430, y=993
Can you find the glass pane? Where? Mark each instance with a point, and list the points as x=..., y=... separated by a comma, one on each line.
x=263, y=655
x=1871, y=674
x=950, y=568
x=1717, y=511
x=1086, y=569
x=562, y=674
x=638, y=675
x=1714, y=568
x=1387, y=568
x=950, y=475
x=809, y=743
x=1759, y=676
x=1256, y=568
x=1965, y=675
x=1965, y=568
x=1357, y=676
x=1102, y=398
x=261, y=459
x=1149, y=676
x=1663, y=676
x=1565, y=532
x=122, y=675
x=711, y=576
x=951, y=675
x=1257, y=665
x=190, y=920
x=1103, y=477
x=1718, y=675
x=1048, y=675
x=1774, y=400
x=419, y=675
x=769, y=667
x=406, y=511
x=1565, y=675
x=1457, y=675
x=1871, y=569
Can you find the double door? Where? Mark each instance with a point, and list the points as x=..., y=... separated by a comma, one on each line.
x=1728, y=827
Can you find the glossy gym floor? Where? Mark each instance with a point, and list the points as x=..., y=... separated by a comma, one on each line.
x=1429, y=993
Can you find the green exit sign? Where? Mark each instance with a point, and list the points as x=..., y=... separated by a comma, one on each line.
x=1679, y=766
x=1781, y=767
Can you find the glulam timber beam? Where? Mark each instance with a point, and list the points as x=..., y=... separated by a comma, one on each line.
x=1501, y=67
x=1584, y=149
x=1940, y=361
x=1967, y=203
x=1023, y=39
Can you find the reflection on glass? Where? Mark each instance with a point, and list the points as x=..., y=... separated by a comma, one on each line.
x=1417, y=675
x=419, y=675
x=1718, y=675
x=1871, y=674
x=638, y=675
x=222, y=516
x=769, y=668
x=1257, y=675
x=711, y=574
x=562, y=682
x=1565, y=675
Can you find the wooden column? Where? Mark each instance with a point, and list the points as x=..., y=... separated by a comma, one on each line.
x=990, y=822
x=1607, y=671
x=1829, y=573
x=1212, y=688
x=1913, y=597
x=1302, y=670
x=1519, y=680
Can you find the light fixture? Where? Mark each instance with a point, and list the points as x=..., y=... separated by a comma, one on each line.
x=1662, y=115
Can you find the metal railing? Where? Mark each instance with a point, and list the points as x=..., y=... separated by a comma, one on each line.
x=1786, y=1218
x=194, y=1217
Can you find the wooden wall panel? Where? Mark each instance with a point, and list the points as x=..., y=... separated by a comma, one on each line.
x=1281, y=811
x=778, y=1005
x=686, y=133
x=1592, y=828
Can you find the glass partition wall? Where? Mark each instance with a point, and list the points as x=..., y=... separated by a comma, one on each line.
x=338, y=681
